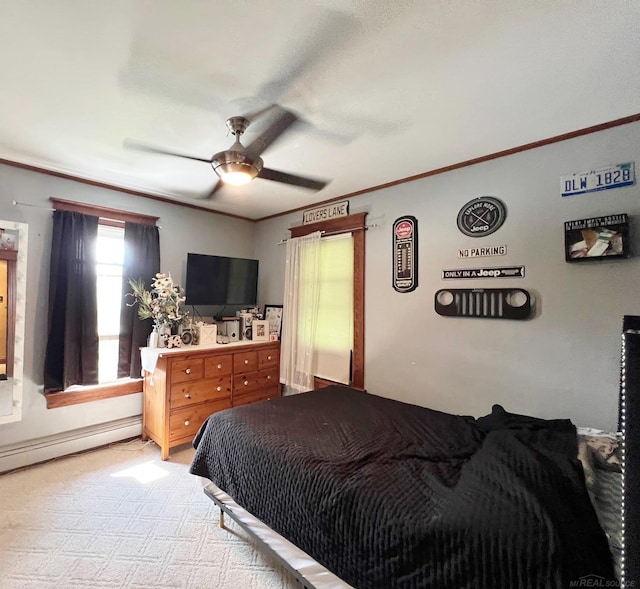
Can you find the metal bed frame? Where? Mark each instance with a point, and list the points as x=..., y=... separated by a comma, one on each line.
x=307, y=571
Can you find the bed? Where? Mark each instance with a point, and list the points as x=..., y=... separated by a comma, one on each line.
x=384, y=494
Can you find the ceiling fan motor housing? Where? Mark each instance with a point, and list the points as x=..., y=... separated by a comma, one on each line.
x=238, y=125
x=235, y=160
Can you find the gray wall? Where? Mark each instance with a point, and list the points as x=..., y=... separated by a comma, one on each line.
x=562, y=363
x=183, y=230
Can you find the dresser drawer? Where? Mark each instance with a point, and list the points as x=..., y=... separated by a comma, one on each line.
x=186, y=422
x=254, y=396
x=190, y=384
x=251, y=381
x=184, y=370
x=218, y=365
x=268, y=358
x=188, y=393
x=245, y=362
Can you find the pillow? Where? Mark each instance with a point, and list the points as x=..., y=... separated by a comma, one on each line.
x=603, y=449
x=588, y=467
x=500, y=419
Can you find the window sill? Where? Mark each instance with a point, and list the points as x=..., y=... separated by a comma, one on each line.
x=76, y=395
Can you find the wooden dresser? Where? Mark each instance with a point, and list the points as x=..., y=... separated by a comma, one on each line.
x=190, y=383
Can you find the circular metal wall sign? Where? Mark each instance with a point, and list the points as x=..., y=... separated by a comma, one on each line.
x=481, y=216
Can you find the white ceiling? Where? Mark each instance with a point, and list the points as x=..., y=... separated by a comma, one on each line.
x=388, y=88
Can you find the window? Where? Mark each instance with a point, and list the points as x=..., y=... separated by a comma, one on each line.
x=109, y=270
x=355, y=226
x=93, y=340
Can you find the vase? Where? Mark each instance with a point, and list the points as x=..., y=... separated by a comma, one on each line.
x=153, y=340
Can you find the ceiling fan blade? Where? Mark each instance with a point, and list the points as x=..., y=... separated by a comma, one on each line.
x=217, y=186
x=323, y=36
x=130, y=144
x=285, y=178
x=280, y=124
x=178, y=86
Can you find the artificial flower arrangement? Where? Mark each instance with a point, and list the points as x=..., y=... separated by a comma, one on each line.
x=163, y=303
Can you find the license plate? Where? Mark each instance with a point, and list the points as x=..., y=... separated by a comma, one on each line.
x=613, y=176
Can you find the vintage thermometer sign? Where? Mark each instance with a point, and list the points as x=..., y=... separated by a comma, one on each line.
x=405, y=254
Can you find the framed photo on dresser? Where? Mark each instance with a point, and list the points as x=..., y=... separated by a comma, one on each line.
x=260, y=330
x=273, y=314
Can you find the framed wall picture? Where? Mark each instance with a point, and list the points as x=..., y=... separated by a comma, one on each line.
x=273, y=314
x=260, y=330
x=598, y=238
x=9, y=239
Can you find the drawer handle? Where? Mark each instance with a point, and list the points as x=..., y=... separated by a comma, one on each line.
x=268, y=377
x=268, y=357
x=219, y=366
x=188, y=371
x=246, y=382
x=186, y=422
x=246, y=361
x=187, y=396
x=218, y=389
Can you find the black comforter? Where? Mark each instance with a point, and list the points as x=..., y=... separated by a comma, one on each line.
x=387, y=494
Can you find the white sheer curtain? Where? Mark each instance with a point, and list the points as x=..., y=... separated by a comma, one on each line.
x=301, y=298
x=334, y=320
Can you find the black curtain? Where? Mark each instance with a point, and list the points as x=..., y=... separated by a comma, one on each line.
x=141, y=262
x=71, y=355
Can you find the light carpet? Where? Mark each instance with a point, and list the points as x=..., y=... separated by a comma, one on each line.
x=122, y=517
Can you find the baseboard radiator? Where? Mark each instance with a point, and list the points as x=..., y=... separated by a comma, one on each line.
x=46, y=448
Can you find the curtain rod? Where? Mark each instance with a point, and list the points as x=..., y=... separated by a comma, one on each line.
x=26, y=204
x=52, y=209
x=329, y=233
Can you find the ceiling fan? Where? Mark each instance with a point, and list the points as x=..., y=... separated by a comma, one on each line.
x=240, y=164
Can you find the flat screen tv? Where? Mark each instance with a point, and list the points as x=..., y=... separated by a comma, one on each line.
x=218, y=280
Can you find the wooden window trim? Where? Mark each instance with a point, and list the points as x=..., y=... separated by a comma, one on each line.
x=355, y=224
x=87, y=394
x=107, y=216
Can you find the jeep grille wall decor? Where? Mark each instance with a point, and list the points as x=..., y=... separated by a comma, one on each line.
x=487, y=303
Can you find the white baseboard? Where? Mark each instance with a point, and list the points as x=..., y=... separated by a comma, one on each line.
x=77, y=440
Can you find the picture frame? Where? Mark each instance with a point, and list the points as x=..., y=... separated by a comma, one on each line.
x=260, y=330
x=597, y=238
x=9, y=239
x=273, y=314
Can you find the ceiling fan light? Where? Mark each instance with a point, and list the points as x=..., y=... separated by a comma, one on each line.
x=236, y=178
x=235, y=166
